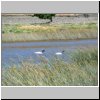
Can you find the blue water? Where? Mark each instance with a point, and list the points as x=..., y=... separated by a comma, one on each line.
x=16, y=54
x=54, y=43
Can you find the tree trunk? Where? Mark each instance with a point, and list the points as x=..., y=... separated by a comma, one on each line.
x=51, y=19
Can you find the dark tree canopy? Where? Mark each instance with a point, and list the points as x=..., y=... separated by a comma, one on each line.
x=44, y=16
x=86, y=15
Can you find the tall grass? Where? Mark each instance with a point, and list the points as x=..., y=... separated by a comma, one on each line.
x=13, y=33
x=82, y=58
x=82, y=71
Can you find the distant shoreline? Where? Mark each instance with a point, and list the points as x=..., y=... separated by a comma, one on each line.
x=62, y=40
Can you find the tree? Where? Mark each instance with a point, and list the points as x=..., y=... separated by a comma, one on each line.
x=86, y=15
x=44, y=16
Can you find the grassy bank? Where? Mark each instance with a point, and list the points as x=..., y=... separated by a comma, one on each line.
x=82, y=71
x=17, y=33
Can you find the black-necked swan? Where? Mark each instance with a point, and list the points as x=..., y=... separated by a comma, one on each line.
x=59, y=53
x=40, y=52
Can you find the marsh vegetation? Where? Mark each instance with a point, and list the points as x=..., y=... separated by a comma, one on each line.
x=24, y=33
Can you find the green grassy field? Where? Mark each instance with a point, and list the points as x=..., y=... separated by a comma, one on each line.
x=24, y=33
x=82, y=71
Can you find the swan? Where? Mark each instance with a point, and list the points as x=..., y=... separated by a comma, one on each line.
x=59, y=53
x=40, y=52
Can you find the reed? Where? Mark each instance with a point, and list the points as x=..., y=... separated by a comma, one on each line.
x=24, y=33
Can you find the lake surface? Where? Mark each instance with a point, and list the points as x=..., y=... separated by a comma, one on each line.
x=14, y=53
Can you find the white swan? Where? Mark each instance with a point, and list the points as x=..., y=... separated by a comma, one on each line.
x=59, y=53
x=40, y=52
